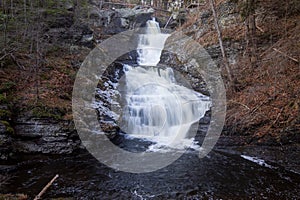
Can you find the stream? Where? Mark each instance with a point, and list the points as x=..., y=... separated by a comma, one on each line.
x=218, y=176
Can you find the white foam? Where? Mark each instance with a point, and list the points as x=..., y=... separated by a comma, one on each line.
x=258, y=161
x=157, y=108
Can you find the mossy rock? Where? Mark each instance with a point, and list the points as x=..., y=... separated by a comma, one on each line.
x=8, y=127
x=46, y=112
x=5, y=114
x=3, y=99
x=7, y=86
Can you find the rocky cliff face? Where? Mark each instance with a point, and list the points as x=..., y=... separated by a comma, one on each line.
x=69, y=35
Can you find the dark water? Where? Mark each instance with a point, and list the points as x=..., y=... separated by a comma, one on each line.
x=218, y=176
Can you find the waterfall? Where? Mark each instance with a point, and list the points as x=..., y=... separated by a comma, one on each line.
x=156, y=107
x=151, y=44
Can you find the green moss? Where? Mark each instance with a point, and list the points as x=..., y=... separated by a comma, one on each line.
x=54, y=11
x=45, y=76
x=227, y=39
x=8, y=127
x=54, y=49
x=3, y=99
x=42, y=111
x=5, y=114
x=6, y=86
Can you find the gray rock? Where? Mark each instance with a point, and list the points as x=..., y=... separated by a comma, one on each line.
x=69, y=5
x=36, y=128
x=124, y=23
x=2, y=128
x=87, y=38
x=119, y=20
x=125, y=13
x=47, y=147
x=130, y=13
x=45, y=136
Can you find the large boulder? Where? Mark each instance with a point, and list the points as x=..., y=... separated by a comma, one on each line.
x=118, y=20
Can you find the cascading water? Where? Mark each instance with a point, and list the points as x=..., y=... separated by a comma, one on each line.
x=151, y=44
x=157, y=108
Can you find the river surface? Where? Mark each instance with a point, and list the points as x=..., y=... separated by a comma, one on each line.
x=220, y=175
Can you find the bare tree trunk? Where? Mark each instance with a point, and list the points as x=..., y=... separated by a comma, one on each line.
x=11, y=8
x=36, y=71
x=250, y=33
x=101, y=4
x=30, y=32
x=37, y=52
x=25, y=12
x=247, y=38
x=225, y=60
x=252, y=26
x=5, y=12
x=25, y=19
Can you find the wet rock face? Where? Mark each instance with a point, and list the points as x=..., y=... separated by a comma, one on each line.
x=74, y=28
x=185, y=71
x=45, y=136
x=114, y=21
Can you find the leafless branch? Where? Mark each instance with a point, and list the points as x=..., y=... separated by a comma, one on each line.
x=284, y=54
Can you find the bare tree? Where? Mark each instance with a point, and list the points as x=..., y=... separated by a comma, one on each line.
x=248, y=12
x=5, y=21
x=225, y=60
x=25, y=18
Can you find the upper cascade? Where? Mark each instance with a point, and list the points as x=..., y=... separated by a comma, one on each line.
x=151, y=44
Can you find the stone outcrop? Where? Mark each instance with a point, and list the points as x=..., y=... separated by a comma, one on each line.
x=38, y=135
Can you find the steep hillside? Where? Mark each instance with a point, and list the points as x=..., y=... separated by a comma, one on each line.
x=265, y=100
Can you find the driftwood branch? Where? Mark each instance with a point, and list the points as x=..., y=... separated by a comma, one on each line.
x=284, y=54
x=46, y=187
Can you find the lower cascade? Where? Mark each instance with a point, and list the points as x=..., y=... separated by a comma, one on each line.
x=156, y=107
